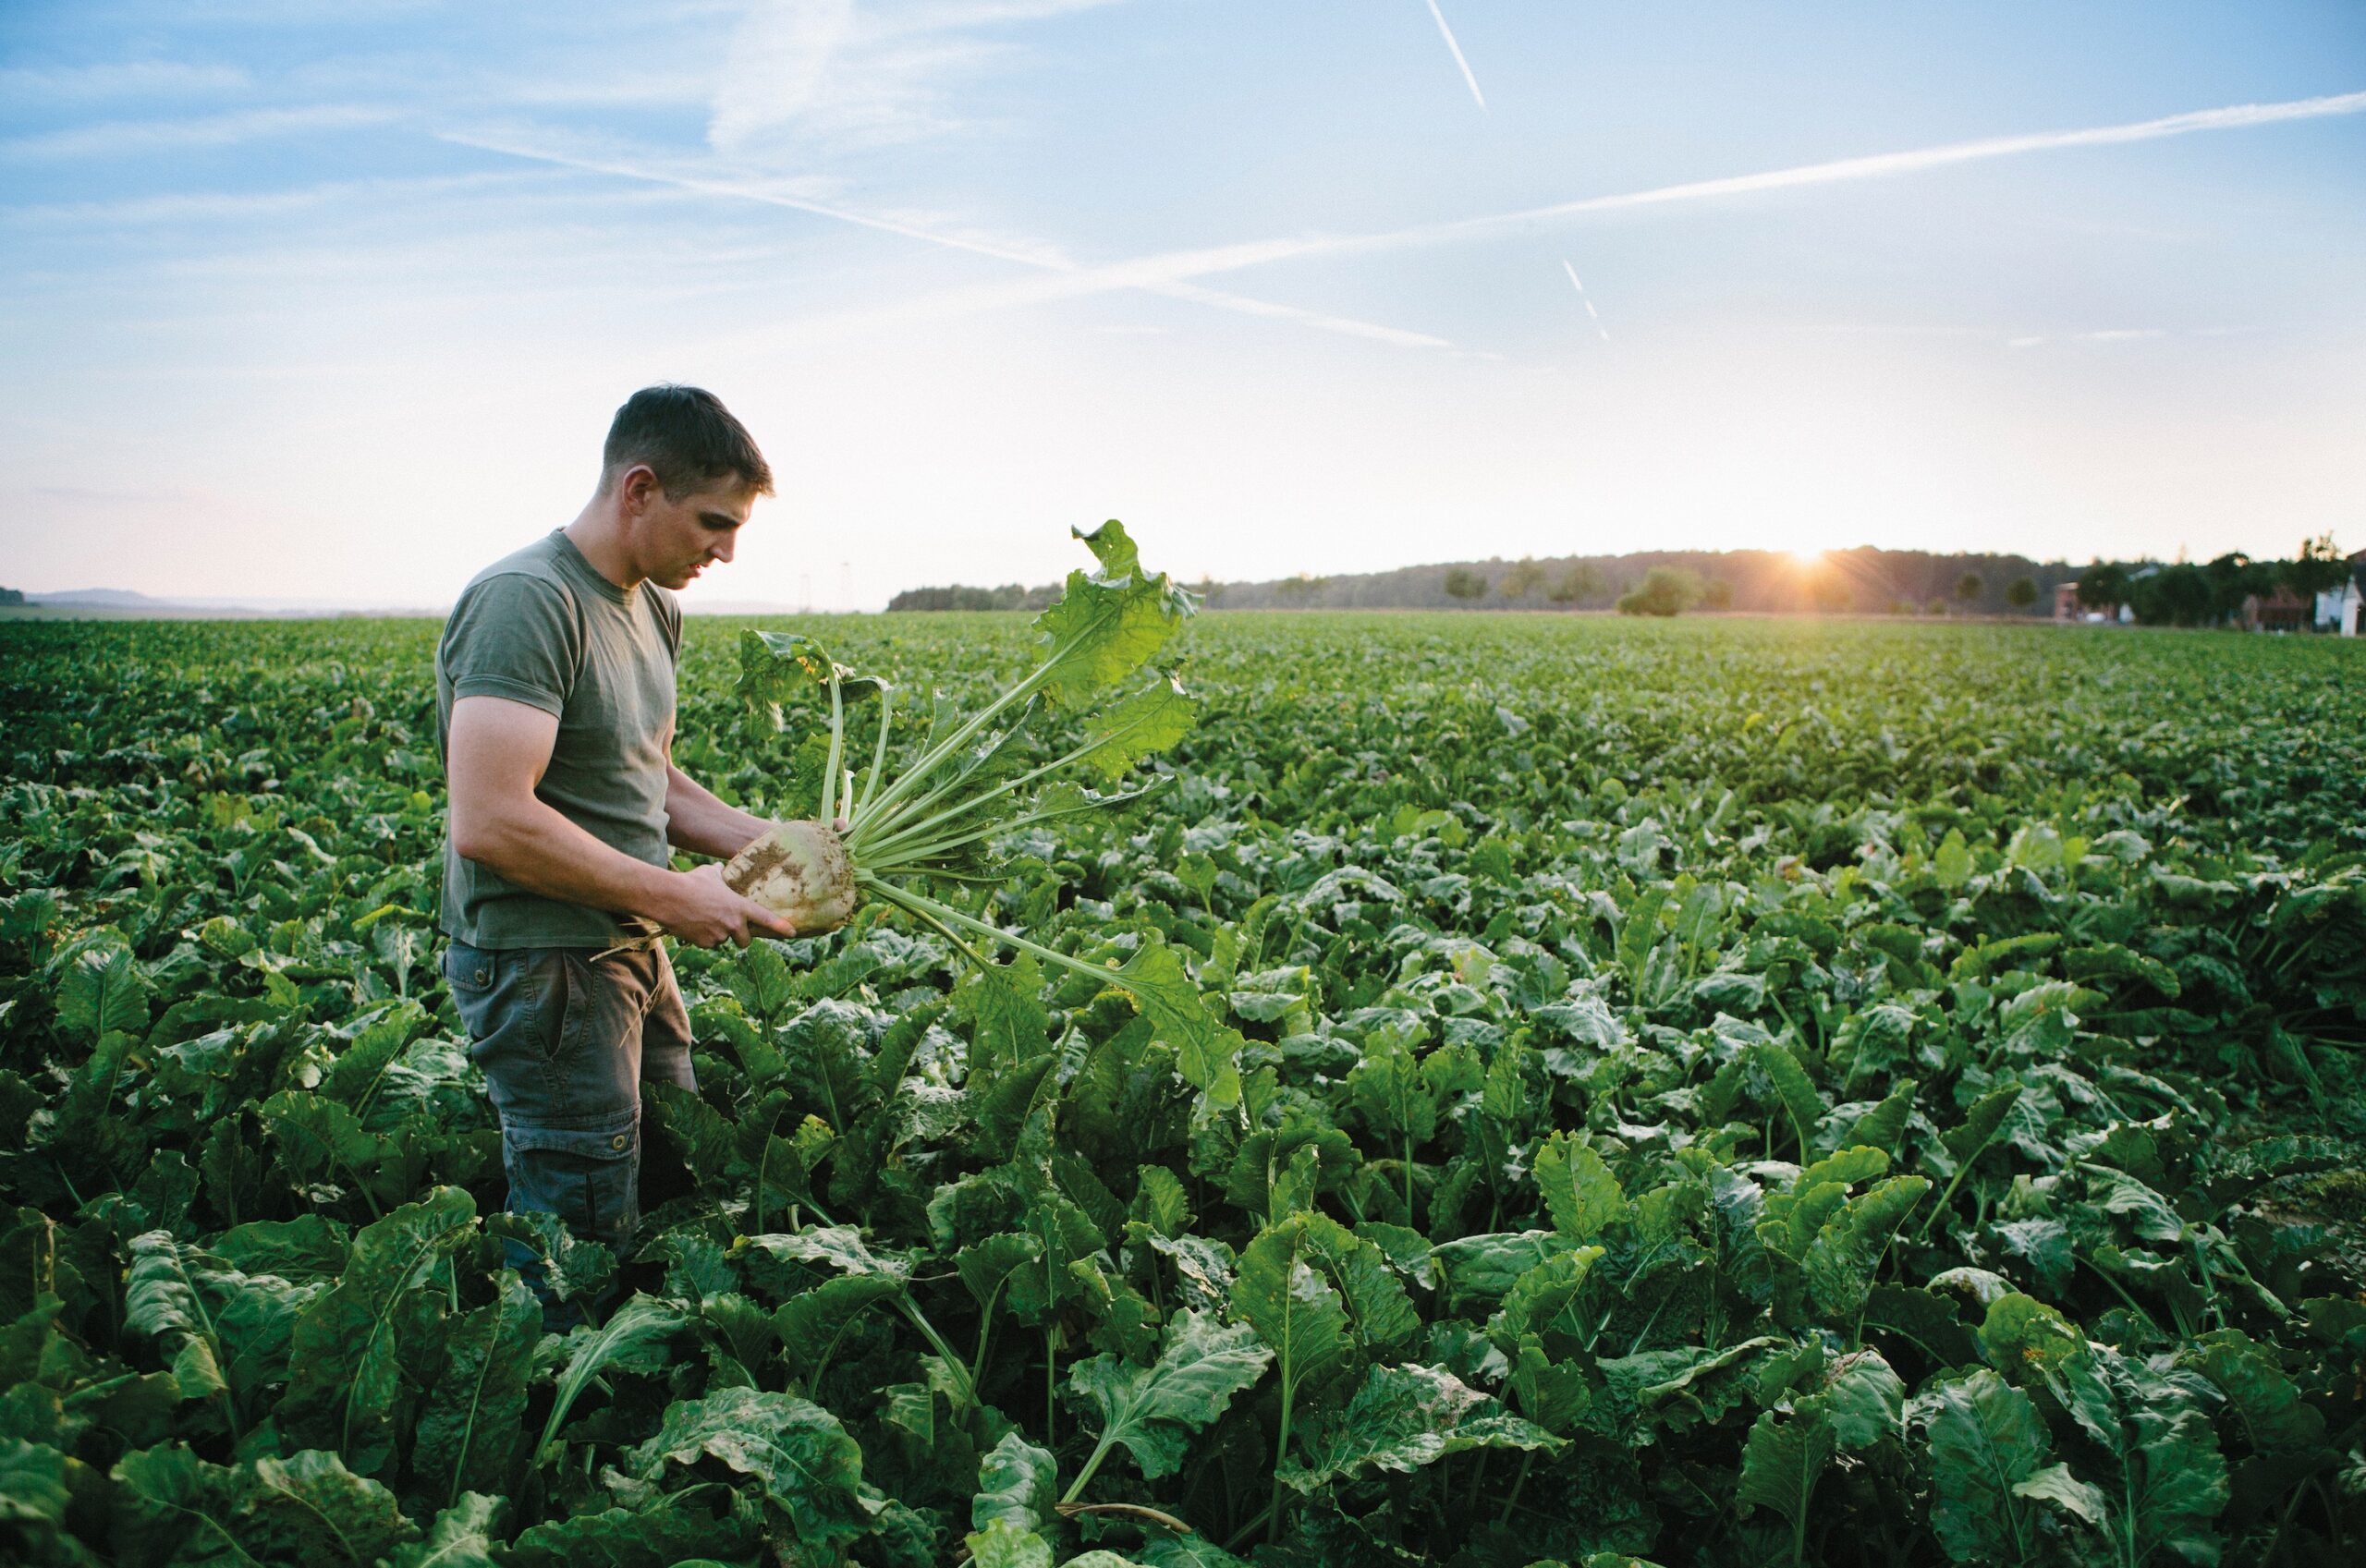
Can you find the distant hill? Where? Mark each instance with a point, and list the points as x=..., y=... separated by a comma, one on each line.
x=97, y=598
x=1863, y=581
x=125, y=603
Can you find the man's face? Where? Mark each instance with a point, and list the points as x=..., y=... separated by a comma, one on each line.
x=673, y=541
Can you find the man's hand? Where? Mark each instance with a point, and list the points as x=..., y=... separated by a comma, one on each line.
x=703, y=911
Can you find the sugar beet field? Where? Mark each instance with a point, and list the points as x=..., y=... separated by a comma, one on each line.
x=1711, y=1092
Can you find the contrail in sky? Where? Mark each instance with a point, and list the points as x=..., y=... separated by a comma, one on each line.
x=1059, y=277
x=1879, y=166
x=1448, y=33
x=1204, y=261
x=1046, y=259
x=1591, y=313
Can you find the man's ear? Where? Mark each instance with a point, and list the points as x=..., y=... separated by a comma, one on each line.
x=635, y=486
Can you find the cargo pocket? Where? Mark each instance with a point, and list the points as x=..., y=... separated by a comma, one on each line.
x=471, y=973
x=589, y=1176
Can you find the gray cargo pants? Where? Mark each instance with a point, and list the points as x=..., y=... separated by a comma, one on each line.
x=566, y=1043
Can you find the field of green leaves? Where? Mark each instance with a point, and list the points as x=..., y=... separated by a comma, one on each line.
x=1728, y=1092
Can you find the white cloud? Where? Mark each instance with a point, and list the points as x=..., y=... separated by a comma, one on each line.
x=832, y=75
x=2118, y=334
x=117, y=138
x=251, y=205
x=117, y=79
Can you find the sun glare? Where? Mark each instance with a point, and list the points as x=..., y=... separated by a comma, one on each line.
x=1807, y=559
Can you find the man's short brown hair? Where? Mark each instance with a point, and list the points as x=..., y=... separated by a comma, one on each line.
x=687, y=439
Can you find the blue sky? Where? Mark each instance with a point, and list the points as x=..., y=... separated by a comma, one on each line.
x=332, y=302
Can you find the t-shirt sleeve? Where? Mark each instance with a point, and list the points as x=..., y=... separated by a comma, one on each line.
x=513, y=636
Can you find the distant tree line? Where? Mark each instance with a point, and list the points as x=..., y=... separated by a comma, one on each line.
x=12, y=596
x=1010, y=596
x=1863, y=582
x=1670, y=582
x=2182, y=593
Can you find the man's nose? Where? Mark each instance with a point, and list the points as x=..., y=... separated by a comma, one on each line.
x=722, y=551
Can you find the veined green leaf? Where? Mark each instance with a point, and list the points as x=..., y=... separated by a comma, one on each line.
x=1799, y=1096
x=2055, y=1484
x=1580, y=1191
x=1127, y=731
x=461, y=1536
x=1951, y=864
x=573, y=1269
x=1108, y=624
x=1840, y=1262
x=308, y=1508
x=33, y=1495
x=1207, y=1053
x=1016, y=1481
x=665, y=1532
x=810, y=1469
x=352, y=1352
x=812, y=1322
x=1152, y=1410
x=1986, y=1441
x=1192, y=1550
x=103, y=993
x=474, y=1419
x=163, y=1297
x=1863, y=1398
x=775, y=667
x=634, y=1336
x=1403, y=1417
x=2276, y=1417
x=1783, y=1459
x=1294, y=1309
x=1539, y=1297
x=1004, y=1543
x=1980, y=1124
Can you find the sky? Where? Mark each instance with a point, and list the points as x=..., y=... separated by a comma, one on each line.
x=332, y=303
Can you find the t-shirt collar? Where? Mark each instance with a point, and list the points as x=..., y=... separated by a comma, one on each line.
x=573, y=560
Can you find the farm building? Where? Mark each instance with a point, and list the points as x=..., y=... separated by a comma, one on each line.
x=2069, y=612
x=2337, y=608
x=2280, y=610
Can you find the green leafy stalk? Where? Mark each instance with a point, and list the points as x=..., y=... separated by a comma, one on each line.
x=914, y=840
x=1152, y=1411
x=1207, y=1053
x=837, y=747
x=974, y=784
x=878, y=751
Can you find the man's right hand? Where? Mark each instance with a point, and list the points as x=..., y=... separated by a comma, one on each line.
x=705, y=912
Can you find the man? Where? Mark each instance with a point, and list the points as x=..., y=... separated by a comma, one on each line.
x=554, y=701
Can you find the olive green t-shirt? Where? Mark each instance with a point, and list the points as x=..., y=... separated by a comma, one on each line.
x=545, y=628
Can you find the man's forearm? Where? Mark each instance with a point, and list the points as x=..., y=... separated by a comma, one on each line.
x=699, y=822
x=535, y=848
